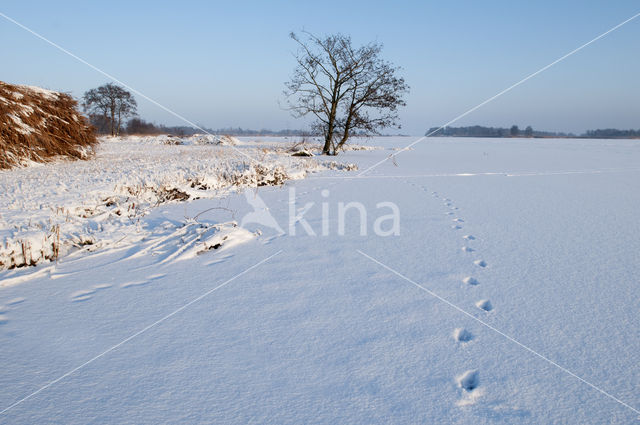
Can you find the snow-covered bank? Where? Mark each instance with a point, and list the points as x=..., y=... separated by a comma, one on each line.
x=47, y=211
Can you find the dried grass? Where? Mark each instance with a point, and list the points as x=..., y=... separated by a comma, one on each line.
x=39, y=125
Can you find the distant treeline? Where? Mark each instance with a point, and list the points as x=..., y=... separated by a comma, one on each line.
x=140, y=126
x=612, y=133
x=515, y=131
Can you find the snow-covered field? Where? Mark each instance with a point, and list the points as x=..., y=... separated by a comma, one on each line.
x=47, y=212
x=510, y=294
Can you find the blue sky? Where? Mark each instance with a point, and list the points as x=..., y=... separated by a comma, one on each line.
x=224, y=64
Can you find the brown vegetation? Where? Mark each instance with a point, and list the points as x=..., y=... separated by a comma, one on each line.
x=38, y=125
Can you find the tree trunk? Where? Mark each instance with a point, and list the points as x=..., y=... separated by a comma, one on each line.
x=328, y=138
x=344, y=139
x=326, y=150
x=119, y=122
x=113, y=117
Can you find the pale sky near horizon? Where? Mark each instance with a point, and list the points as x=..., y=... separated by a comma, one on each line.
x=224, y=64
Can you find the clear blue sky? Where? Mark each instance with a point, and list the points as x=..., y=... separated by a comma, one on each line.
x=224, y=63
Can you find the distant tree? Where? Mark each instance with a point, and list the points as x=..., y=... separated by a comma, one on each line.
x=140, y=126
x=515, y=131
x=100, y=123
x=528, y=132
x=113, y=103
x=346, y=89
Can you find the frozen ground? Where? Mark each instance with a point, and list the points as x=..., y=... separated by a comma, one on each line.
x=512, y=254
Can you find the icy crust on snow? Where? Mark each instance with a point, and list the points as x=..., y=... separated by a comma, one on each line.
x=50, y=210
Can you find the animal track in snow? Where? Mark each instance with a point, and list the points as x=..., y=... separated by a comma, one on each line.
x=480, y=263
x=82, y=295
x=484, y=305
x=456, y=227
x=134, y=284
x=87, y=294
x=467, y=249
x=458, y=220
x=469, y=237
x=469, y=381
x=470, y=281
x=462, y=335
x=8, y=306
x=220, y=259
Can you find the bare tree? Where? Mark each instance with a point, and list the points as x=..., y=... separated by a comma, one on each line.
x=113, y=103
x=347, y=90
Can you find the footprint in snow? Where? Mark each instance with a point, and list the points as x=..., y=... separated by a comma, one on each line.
x=456, y=227
x=79, y=296
x=470, y=281
x=467, y=249
x=8, y=306
x=458, y=220
x=469, y=237
x=87, y=294
x=134, y=284
x=484, y=305
x=480, y=263
x=220, y=259
x=462, y=335
x=448, y=213
x=469, y=381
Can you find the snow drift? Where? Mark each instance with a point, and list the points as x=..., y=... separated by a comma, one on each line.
x=38, y=125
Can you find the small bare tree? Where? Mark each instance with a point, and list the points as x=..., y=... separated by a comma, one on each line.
x=347, y=90
x=113, y=103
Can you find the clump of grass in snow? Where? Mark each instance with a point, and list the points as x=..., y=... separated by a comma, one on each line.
x=38, y=125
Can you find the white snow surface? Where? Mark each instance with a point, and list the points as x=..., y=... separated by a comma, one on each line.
x=104, y=201
x=545, y=232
